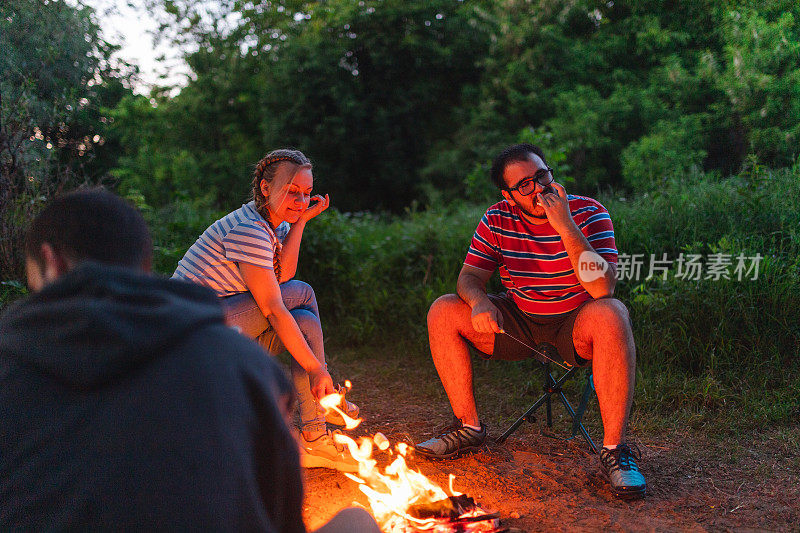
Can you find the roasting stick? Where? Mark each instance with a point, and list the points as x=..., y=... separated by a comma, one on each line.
x=534, y=350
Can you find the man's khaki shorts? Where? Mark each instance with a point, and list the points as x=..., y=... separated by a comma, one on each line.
x=533, y=330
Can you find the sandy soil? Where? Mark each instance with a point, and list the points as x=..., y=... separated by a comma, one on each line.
x=540, y=483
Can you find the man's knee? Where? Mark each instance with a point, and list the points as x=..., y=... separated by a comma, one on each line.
x=443, y=309
x=601, y=321
x=610, y=313
x=604, y=320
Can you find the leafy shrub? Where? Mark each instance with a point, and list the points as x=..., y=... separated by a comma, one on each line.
x=697, y=340
x=10, y=291
x=175, y=227
x=668, y=150
x=375, y=275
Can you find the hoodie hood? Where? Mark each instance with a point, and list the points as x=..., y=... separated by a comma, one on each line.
x=99, y=322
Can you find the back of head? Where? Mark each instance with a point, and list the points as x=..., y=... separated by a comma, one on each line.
x=91, y=225
x=513, y=154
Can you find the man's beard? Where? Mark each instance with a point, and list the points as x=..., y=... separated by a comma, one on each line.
x=528, y=213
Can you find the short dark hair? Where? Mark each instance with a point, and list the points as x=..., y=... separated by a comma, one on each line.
x=91, y=224
x=513, y=154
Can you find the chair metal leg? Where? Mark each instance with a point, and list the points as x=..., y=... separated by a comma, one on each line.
x=548, y=388
x=545, y=397
x=522, y=419
x=587, y=392
x=576, y=420
x=551, y=387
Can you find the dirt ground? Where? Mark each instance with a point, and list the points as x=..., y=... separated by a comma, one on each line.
x=540, y=483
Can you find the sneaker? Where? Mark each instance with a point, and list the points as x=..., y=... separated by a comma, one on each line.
x=453, y=443
x=619, y=465
x=349, y=408
x=324, y=452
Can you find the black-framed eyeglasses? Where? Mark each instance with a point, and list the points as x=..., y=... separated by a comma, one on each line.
x=543, y=176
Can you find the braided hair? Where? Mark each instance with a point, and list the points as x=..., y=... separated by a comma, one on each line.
x=281, y=161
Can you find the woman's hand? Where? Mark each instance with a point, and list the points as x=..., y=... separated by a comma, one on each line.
x=321, y=383
x=318, y=207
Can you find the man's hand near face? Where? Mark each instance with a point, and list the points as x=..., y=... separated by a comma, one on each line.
x=556, y=207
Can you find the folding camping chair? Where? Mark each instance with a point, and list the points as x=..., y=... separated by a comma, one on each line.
x=553, y=387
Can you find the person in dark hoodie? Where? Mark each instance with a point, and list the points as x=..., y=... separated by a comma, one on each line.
x=126, y=403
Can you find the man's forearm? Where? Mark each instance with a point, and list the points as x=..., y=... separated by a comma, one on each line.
x=471, y=289
x=575, y=243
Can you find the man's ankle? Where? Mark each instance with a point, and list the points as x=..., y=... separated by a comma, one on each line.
x=472, y=424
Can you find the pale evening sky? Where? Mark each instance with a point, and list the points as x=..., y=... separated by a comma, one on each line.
x=126, y=22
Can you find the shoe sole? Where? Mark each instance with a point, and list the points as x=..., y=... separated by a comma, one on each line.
x=625, y=494
x=315, y=461
x=452, y=455
x=629, y=494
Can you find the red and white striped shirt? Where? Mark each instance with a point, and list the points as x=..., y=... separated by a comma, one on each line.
x=534, y=266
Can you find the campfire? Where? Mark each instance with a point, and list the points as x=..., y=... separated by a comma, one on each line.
x=401, y=499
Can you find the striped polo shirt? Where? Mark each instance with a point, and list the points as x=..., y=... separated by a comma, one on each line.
x=242, y=236
x=533, y=263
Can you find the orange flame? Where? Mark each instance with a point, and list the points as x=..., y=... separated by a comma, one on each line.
x=395, y=489
x=334, y=400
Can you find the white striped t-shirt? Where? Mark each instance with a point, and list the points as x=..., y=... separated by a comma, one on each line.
x=242, y=236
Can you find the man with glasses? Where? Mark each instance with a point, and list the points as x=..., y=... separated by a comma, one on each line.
x=557, y=261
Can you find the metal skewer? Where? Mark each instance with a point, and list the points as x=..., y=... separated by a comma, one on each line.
x=534, y=350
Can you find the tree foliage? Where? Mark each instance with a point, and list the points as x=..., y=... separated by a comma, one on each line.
x=399, y=101
x=55, y=81
x=636, y=91
x=365, y=88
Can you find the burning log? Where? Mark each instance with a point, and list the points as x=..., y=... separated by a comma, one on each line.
x=455, y=513
x=451, y=507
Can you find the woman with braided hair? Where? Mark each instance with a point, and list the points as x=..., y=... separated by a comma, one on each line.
x=249, y=258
